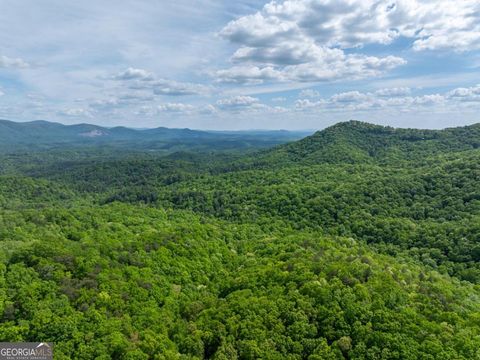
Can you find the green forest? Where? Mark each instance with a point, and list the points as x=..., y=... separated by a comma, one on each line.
x=357, y=242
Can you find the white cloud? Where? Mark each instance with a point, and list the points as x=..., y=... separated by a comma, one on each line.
x=140, y=79
x=134, y=74
x=309, y=93
x=397, y=91
x=238, y=102
x=208, y=109
x=175, y=107
x=431, y=99
x=465, y=94
x=445, y=25
x=350, y=96
x=326, y=65
x=354, y=23
x=248, y=74
x=302, y=104
x=363, y=101
x=7, y=62
x=175, y=88
x=304, y=40
x=247, y=104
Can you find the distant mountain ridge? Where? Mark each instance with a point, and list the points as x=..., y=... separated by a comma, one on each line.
x=51, y=131
x=44, y=134
x=348, y=142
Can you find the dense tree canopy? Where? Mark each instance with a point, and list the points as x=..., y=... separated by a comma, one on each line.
x=359, y=242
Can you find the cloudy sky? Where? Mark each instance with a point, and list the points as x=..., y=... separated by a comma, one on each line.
x=245, y=64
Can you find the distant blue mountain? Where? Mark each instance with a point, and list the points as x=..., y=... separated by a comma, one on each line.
x=45, y=134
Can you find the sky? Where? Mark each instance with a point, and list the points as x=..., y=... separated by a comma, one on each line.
x=244, y=64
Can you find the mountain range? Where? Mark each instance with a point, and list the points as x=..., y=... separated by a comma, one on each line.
x=45, y=134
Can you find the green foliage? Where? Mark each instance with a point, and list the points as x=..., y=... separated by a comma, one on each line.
x=137, y=282
x=359, y=242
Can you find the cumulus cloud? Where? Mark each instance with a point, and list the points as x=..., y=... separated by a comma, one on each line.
x=307, y=104
x=175, y=107
x=309, y=93
x=140, y=79
x=175, y=88
x=465, y=94
x=387, y=99
x=354, y=23
x=169, y=108
x=431, y=99
x=7, y=62
x=236, y=102
x=247, y=104
x=326, y=65
x=207, y=109
x=360, y=101
x=305, y=40
x=397, y=91
x=248, y=74
x=134, y=74
x=391, y=99
x=350, y=96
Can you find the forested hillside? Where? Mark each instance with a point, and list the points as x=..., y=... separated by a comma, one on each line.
x=356, y=141
x=358, y=242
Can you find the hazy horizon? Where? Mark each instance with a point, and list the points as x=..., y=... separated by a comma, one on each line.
x=300, y=130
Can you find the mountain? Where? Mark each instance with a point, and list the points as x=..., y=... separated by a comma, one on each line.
x=356, y=141
x=358, y=242
x=44, y=135
x=41, y=131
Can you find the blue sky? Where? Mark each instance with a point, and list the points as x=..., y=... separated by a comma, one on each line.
x=248, y=64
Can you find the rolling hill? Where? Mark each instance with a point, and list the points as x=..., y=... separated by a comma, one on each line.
x=358, y=242
x=356, y=141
